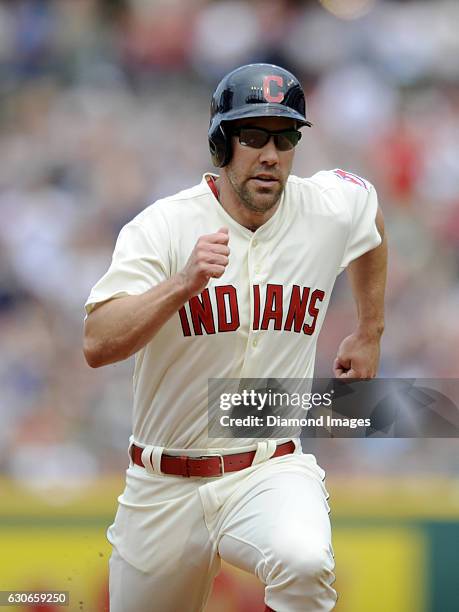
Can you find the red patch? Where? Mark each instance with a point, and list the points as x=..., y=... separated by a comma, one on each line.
x=352, y=178
x=269, y=92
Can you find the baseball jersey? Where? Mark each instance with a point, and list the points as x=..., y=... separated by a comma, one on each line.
x=261, y=319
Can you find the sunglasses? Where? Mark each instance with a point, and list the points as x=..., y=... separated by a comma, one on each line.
x=284, y=140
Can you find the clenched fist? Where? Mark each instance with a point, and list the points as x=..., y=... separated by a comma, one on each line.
x=208, y=259
x=358, y=357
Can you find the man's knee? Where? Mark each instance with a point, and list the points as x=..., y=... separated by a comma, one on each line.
x=301, y=577
x=308, y=561
x=309, y=564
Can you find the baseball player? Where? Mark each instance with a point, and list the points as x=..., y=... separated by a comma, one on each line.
x=231, y=279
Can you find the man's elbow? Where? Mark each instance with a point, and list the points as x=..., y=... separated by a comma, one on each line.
x=92, y=353
x=99, y=352
x=93, y=345
x=94, y=348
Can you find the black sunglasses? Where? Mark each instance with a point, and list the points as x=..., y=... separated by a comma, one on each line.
x=284, y=140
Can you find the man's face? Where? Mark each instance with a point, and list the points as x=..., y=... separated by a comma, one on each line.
x=258, y=176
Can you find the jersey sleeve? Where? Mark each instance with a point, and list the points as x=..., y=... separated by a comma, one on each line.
x=361, y=202
x=140, y=261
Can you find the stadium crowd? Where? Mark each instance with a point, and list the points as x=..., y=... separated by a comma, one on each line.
x=104, y=109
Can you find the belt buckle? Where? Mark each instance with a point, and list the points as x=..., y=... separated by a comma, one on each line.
x=222, y=463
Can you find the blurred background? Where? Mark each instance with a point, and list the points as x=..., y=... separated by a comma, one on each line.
x=103, y=109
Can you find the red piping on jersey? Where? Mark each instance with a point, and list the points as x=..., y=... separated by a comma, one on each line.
x=213, y=187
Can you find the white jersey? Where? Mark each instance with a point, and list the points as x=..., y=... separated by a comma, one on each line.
x=260, y=319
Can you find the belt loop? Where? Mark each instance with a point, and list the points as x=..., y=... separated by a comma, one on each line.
x=131, y=461
x=272, y=446
x=156, y=459
x=261, y=453
x=265, y=450
x=146, y=459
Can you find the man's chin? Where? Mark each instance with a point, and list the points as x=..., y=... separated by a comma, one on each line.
x=263, y=199
x=264, y=205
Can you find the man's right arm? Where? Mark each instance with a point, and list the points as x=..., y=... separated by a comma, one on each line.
x=119, y=327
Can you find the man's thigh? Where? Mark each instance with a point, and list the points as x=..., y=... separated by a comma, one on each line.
x=163, y=559
x=281, y=528
x=132, y=590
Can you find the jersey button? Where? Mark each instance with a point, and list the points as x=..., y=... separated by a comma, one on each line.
x=257, y=268
x=254, y=242
x=255, y=342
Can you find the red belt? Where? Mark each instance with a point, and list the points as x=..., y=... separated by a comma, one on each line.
x=209, y=465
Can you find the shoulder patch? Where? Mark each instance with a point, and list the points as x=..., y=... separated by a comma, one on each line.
x=352, y=178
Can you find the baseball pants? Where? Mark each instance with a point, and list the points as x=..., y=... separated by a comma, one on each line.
x=272, y=519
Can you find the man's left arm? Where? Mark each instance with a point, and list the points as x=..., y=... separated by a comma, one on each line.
x=358, y=354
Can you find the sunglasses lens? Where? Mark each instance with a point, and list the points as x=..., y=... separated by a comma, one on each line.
x=251, y=137
x=287, y=140
x=257, y=138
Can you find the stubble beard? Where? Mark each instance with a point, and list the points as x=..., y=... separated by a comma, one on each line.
x=258, y=203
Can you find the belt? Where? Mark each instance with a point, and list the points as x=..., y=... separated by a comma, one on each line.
x=208, y=465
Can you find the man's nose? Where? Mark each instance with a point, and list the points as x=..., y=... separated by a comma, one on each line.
x=269, y=153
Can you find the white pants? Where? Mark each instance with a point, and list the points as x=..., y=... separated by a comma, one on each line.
x=271, y=519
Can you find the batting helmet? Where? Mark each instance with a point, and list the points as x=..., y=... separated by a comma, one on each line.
x=255, y=90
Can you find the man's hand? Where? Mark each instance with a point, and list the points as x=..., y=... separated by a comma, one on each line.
x=208, y=259
x=357, y=357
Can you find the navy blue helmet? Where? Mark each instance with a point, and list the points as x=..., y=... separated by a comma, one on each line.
x=255, y=90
